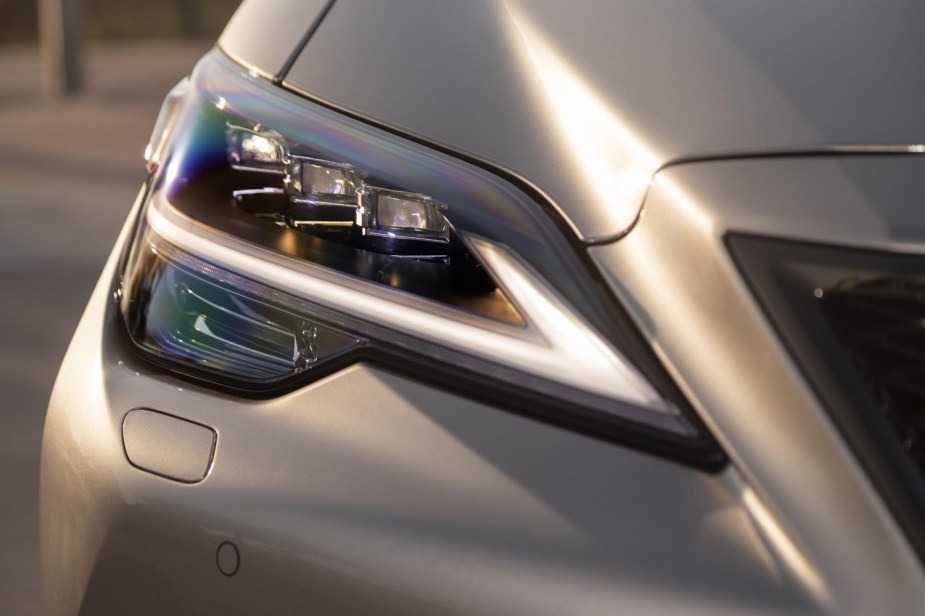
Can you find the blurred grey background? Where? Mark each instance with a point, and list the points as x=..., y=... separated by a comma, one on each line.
x=70, y=168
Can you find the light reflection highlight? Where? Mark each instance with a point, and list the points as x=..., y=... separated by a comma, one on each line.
x=613, y=162
x=785, y=548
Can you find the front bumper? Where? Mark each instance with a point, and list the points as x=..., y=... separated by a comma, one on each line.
x=369, y=492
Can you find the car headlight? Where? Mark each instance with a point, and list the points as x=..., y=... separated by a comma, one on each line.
x=281, y=240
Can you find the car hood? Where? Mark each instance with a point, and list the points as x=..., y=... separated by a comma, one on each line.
x=586, y=102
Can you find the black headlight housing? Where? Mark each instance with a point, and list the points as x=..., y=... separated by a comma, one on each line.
x=281, y=240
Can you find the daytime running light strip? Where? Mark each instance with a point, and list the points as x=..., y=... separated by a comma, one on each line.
x=567, y=351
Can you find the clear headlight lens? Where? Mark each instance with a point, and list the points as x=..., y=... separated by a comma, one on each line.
x=210, y=319
x=280, y=238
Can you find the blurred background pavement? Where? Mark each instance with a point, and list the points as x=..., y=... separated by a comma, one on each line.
x=69, y=172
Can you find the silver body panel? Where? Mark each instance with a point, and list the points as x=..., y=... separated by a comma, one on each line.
x=366, y=492
x=264, y=35
x=586, y=102
x=370, y=493
x=675, y=274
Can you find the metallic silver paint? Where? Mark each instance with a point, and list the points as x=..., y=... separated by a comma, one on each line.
x=676, y=277
x=587, y=101
x=263, y=34
x=873, y=201
x=367, y=492
x=168, y=446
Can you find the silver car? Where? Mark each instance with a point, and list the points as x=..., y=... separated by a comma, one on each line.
x=513, y=307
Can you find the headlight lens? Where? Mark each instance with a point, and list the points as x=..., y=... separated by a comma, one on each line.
x=280, y=238
x=187, y=311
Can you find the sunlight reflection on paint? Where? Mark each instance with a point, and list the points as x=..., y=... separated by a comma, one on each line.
x=798, y=564
x=615, y=162
x=687, y=206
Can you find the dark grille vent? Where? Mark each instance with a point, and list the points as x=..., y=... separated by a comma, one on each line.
x=854, y=322
x=881, y=322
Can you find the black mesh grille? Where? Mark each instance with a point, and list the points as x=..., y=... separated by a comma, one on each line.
x=881, y=322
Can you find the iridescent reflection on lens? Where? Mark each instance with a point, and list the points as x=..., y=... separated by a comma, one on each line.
x=192, y=318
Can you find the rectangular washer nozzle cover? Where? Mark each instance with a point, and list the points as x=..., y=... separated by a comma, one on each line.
x=168, y=446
